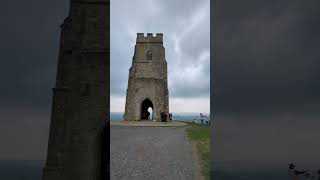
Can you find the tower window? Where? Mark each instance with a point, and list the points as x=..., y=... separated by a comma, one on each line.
x=149, y=55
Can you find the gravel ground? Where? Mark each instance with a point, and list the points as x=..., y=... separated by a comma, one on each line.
x=151, y=153
x=147, y=123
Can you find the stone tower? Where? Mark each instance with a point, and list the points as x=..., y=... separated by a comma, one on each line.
x=79, y=117
x=147, y=82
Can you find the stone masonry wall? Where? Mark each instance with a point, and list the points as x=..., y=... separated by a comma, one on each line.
x=80, y=97
x=147, y=78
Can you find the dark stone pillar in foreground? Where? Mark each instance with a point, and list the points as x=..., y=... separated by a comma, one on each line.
x=80, y=109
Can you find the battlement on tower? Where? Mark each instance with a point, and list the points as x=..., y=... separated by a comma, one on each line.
x=141, y=38
x=91, y=1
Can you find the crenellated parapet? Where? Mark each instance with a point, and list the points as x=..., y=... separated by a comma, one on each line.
x=141, y=38
x=90, y=1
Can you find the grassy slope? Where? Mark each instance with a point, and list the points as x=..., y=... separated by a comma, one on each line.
x=201, y=135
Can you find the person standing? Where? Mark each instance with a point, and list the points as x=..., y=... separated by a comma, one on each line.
x=165, y=117
x=170, y=116
x=147, y=115
x=161, y=115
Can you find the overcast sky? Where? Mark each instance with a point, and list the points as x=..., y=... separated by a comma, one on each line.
x=267, y=81
x=267, y=56
x=185, y=25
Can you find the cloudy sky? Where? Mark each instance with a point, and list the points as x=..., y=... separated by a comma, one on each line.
x=186, y=28
x=266, y=55
x=267, y=90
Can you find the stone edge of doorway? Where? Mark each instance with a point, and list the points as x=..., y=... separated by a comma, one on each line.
x=148, y=123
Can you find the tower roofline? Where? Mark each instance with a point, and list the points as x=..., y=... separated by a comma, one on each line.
x=141, y=38
x=91, y=1
x=66, y=22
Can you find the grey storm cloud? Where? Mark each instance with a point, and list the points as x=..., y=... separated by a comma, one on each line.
x=186, y=29
x=266, y=55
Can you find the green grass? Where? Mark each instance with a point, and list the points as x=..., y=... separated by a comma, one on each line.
x=201, y=135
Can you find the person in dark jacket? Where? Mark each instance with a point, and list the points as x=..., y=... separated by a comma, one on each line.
x=147, y=115
x=162, y=116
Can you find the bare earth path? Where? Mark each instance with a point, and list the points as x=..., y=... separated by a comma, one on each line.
x=152, y=153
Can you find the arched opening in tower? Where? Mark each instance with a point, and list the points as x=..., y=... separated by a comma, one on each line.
x=146, y=105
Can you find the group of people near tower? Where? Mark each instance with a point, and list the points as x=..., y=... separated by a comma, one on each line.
x=164, y=116
x=205, y=119
x=299, y=175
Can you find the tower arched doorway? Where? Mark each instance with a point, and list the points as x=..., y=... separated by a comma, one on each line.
x=145, y=106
